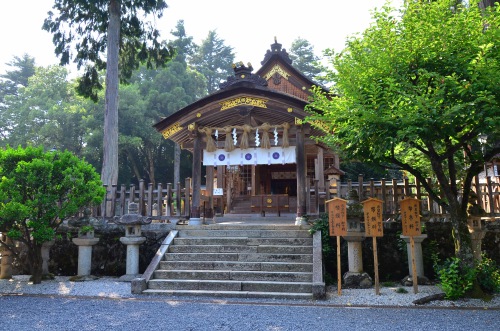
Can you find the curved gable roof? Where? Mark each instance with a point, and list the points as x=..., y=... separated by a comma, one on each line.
x=245, y=98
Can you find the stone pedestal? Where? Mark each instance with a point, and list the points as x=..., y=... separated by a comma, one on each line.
x=132, y=268
x=356, y=277
x=419, y=260
x=45, y=258
x=6, y=266
x=85, y=255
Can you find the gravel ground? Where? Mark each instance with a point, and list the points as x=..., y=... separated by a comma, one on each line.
x=112, y=288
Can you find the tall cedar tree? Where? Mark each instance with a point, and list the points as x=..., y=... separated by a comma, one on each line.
x=416, y=92
x=119, y=27
x=213, y=60
x=22, y=68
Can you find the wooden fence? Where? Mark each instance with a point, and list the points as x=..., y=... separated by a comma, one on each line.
x=164, y=202
x=393, y=191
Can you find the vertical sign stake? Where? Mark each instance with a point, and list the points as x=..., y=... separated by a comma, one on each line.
x=337, y=224
x=339, y=272
x=410, y=217
x=413, y=266
x=372, y=209
x=375, y=262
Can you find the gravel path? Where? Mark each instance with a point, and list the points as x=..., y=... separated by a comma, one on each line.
x=112, y=288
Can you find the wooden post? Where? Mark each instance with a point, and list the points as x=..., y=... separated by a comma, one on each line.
x=375, y=266
x=301, y=172
x=168, y=209
x=178, y=199
x=339, y=269
x=149, y=210
x=141, y=197
x=321, y=169
x=187, y=198
x=337, y=224
x=413, y=266
x=159, y=199
x=210, y=189
x=196, y=171
x=123, y=199
x=372, y=210
x=410, y=217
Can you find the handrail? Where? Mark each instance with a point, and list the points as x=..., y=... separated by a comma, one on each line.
x=140, y=284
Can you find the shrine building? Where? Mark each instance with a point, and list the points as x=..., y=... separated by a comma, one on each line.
x=260, y=157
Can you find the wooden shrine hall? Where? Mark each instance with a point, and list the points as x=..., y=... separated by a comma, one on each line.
x=249, y=135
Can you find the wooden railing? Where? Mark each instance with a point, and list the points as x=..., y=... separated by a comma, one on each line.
x=160, y=202
x=393, y=191
x=166, y=201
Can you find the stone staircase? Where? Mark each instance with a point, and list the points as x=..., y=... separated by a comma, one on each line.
x=245, y=261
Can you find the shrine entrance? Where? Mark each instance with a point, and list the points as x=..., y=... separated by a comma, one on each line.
x=252, y=139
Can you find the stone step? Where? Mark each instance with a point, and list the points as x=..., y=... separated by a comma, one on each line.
x=232, y=294
x=246, y=233
x=241, y=241
x=271, y=249
x=229, y=285
x=241, y=257
x=234, y=265
x=234, y=275
x=222, y=226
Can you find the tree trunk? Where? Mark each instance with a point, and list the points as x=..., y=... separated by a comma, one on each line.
x=36, y=262
x=177, y=164
x=109, y=174
x=462, y=237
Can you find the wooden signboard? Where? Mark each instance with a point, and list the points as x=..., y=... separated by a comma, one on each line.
x=374, y=228
x=337, y=221
x=337, y=216
x=410, y=217
x=373, y=217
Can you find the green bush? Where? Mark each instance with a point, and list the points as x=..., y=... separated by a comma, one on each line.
x=455, y=279
x=488, y=275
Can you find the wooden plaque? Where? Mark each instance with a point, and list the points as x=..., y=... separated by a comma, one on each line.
x=373, y=217
x=410, y=216
x=337, y=216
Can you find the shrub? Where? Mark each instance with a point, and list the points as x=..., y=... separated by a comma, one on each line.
x=488, y=275
x=455, y=279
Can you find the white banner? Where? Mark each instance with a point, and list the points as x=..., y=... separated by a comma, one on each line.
x=250, y=156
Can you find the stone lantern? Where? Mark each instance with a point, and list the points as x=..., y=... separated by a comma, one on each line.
x=476, y=224
x=133, y=238
x=84, y=241
x=355, y=277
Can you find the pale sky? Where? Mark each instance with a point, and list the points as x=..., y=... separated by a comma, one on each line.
x=249, y=26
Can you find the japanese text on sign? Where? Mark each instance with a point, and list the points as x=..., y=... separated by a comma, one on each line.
x=410, y=217
x=337, y=217
x=373, y=217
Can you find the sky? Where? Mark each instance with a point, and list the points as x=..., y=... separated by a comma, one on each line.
x=249, y=27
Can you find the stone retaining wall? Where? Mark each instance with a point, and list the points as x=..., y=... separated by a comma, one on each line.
x=109, y=255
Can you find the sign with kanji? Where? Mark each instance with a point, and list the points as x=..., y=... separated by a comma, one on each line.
x=410, y=216
x=337, y=216
x=373, y=217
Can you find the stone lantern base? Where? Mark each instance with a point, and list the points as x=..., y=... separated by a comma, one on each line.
x=357, y=280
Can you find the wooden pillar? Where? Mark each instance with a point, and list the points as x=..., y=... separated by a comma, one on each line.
x=195, y=203
x=220, y=184
x=210, y=186
x=300, y=152
x=254, y=181
x=320, y=175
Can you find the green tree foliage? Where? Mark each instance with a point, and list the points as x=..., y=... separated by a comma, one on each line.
x=10, y=82
x=304, y=59
x=416, y=91
x=47, y=112
x=213, y=60
x=38, y=190
x=123, y=30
